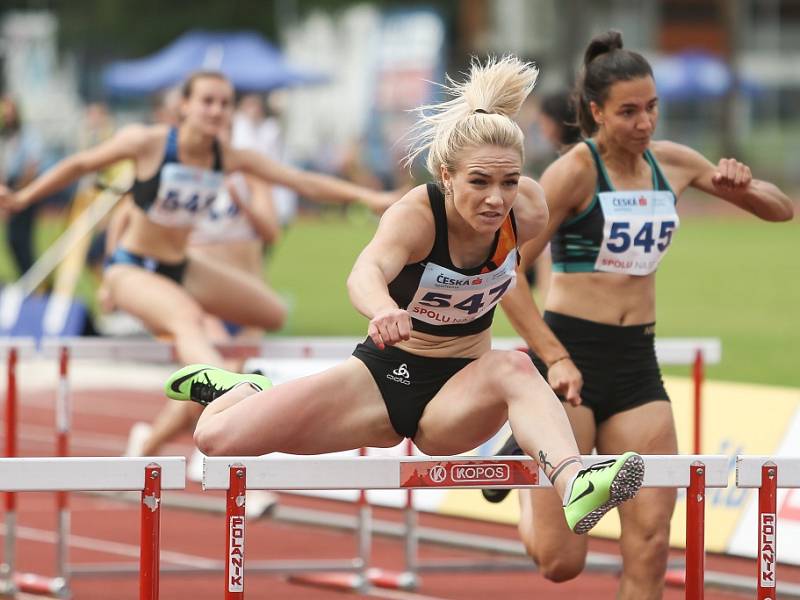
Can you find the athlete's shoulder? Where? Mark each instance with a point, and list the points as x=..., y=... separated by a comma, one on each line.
x=414, y=207
x=675, y=155
x=143, y=137
x=571, y=177
x=530, y=209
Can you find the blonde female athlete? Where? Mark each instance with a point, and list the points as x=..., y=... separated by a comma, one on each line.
x=428, y=282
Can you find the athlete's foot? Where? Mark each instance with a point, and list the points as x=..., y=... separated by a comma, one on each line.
x=204, y=384
x=601, y=487
x=510, y=448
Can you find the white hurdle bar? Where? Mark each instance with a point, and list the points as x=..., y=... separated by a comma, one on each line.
x=237, y=474
x=149, y=475
x=768, y=473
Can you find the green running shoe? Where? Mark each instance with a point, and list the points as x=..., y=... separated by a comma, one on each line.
x=601, y=487
x=204, y=383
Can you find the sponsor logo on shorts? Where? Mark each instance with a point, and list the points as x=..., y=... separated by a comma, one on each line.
x=400, y=375
x=766, y=550
x=236, y=554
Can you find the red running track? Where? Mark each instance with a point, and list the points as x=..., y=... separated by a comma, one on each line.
x=105, y=529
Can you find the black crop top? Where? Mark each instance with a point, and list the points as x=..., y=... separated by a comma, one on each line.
x=449, y=301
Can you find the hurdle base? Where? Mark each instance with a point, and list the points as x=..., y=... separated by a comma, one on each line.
x=675, y=577
x=31, y=583
x=335, y=581
x=392, y=580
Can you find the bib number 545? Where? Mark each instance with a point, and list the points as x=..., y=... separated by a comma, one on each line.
x=620, y=240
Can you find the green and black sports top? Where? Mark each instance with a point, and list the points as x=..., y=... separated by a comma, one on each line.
x=621, y=231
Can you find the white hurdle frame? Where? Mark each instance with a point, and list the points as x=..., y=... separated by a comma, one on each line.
x=149, y=475
x=237, y=474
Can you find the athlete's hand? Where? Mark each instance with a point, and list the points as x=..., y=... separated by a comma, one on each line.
x=731, y=175
x=389, y=326
x=566, y=380
x=233, y=193
x=10, y=200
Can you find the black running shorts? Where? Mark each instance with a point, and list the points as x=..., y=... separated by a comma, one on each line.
x=618, y=363
x=407, y=382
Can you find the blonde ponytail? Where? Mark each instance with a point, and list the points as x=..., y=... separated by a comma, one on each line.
x=480, y=112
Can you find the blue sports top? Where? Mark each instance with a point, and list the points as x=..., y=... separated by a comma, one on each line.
x=447, y=300
x=621, y=231
x=178, y=195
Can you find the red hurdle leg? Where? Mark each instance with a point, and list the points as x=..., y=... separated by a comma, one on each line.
x=234, y=542
x=10, y=452
x=697, y=376
x=695, y=532
x=150, y=534
x=766, y=559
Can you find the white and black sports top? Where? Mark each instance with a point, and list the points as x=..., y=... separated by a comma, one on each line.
x=224, y=221
x=178, y=195
x=450, y=301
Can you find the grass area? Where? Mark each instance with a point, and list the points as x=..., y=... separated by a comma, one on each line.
x=733, y=278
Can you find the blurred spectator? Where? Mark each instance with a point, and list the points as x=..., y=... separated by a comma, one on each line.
x=21, y=158
x=558, y=121
x=254, y=128
x=167, y=110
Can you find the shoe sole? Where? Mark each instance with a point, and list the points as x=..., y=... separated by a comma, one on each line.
x=625, y=485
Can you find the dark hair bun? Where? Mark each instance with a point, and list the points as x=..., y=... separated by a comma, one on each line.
x=602, y=44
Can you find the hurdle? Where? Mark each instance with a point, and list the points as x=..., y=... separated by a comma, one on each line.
x=149, y=475
x=767, y=474
x=237, y=474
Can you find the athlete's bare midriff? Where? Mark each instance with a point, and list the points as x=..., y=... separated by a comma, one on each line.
x=435, y=346
x=610, y=298
x=146, y=238
x=245, y=255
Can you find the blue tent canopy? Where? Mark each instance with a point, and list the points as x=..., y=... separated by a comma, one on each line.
x=696, y=75
x=246, y=58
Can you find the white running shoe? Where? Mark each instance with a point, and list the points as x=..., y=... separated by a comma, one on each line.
x=136, y=438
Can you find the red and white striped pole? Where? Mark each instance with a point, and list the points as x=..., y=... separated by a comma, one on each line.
x=150, y=534
x=10, y=452
x=766, y=559
x=234, y=534
x=695, y=532
x=63, y=417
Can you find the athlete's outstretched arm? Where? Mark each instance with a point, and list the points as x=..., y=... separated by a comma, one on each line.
x=260, y=211
x=315, y=186
x=732, y=181
x=125, y=144
x=405, y=235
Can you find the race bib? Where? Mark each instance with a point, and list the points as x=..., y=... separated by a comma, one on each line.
x=446, y=297
x=637, y=231
x=184, y=194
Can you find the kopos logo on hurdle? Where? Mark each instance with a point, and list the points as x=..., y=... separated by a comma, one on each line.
x=468, y=473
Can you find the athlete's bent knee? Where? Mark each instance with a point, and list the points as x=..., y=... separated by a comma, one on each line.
x=561, y=568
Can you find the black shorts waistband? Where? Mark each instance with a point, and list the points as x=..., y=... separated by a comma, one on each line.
x=619, y=332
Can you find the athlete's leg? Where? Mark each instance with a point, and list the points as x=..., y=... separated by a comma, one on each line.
x=233, y=295
x=338, y=409
x=165, y=308
x=645, y=521
x=558, y=552
x=476, y=402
